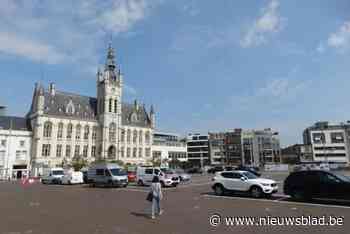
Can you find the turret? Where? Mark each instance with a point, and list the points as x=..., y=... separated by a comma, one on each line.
x=41, y=99
x=153, y=117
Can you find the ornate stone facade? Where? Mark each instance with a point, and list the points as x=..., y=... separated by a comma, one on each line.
x=67, y=125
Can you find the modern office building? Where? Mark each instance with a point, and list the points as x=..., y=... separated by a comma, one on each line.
x=226, y=147
x=260, y=147
x=198, y=149
x=297, y=153
x=15, y=147
x=330, y=142
x=233, y=147
x=168, y=147
x=216, y=148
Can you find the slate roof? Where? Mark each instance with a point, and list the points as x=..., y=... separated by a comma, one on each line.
x=15, y=123
x=86, y=108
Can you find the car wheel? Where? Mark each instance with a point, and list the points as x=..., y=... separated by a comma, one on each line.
x=219, y=190
x=111, y=184
x=162, y=184
x=299, y=195
x=140, y=183
x=256, y=192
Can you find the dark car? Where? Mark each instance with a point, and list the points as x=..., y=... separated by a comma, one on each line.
x=250, y=169
x=216, y=169
x=305, y=185
x=85, y=177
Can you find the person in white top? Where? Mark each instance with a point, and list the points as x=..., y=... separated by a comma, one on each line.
x=156, y=190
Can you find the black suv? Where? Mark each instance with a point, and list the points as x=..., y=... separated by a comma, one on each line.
x=305, y=185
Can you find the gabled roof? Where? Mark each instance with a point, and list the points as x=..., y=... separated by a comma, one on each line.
x=85, y=108
x=14, y=123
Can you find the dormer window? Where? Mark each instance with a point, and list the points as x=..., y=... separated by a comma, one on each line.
x=134, y=118
x=70, y=108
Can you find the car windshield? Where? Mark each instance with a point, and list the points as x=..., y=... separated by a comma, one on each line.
x=180, y=171
x=167, y=171
x=118, y=172
x=57, y=172
x=249, y=175
x=343, y=177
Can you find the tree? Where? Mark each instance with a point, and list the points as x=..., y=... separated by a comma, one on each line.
x=78, y=162
x=174, y=163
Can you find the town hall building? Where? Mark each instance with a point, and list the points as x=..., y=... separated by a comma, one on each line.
x=66, y=125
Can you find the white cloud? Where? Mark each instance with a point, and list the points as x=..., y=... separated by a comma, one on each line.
x=274, y=96
x=66, y=31
x=123, y=15
x=270, y=22
x=13, y=45
x=340, y=39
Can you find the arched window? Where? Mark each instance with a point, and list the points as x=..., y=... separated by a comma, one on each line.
x=60, y=131
x=134, y=136
x=128, y=136
x=94, y=133
x=110, y=104
x=78, y=132
x=115, y=106
x=140, y=137
x=147, y=137
x=122, y=135
x=47, y=129
x=69, y=131
x=112, y=132
x=86, y=132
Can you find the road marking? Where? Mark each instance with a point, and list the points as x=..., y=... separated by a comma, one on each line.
x=134, y=190
x=277, y=201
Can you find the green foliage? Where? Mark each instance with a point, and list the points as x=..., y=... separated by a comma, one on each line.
x=78, y=162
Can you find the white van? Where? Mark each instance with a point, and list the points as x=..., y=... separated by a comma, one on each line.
x=52, y=175
x=110, y=174
x=72, y=177
x=144, y=176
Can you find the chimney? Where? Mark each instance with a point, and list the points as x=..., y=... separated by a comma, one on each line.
x=52, y=89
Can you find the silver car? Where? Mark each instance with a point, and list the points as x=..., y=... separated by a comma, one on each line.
x=184, y=177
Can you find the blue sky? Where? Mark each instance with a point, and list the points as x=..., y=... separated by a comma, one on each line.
x=205, y=65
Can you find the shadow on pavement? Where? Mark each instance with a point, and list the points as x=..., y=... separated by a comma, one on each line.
x=139, y=214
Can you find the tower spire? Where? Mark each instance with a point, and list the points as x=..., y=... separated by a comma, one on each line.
x=110, y=62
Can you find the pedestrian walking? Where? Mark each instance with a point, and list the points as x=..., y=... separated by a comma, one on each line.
x=155, y=196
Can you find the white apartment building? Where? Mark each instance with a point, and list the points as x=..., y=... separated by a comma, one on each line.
x=330, y=142
x=260, y=147
x=15, y=147
x=168, y=147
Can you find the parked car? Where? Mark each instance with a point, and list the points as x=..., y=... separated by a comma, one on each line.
x=216, y=169
x=52, y=175
x=183, y=176
x=250, y=169
x=243, y=181
x=73, y=177
x=85, y=176
x=110, y=174
x=131, y=176
x=144, y=176
x=194, y=170
x=308, y=184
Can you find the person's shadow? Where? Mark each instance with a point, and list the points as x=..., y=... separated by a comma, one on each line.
x=139, y=214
